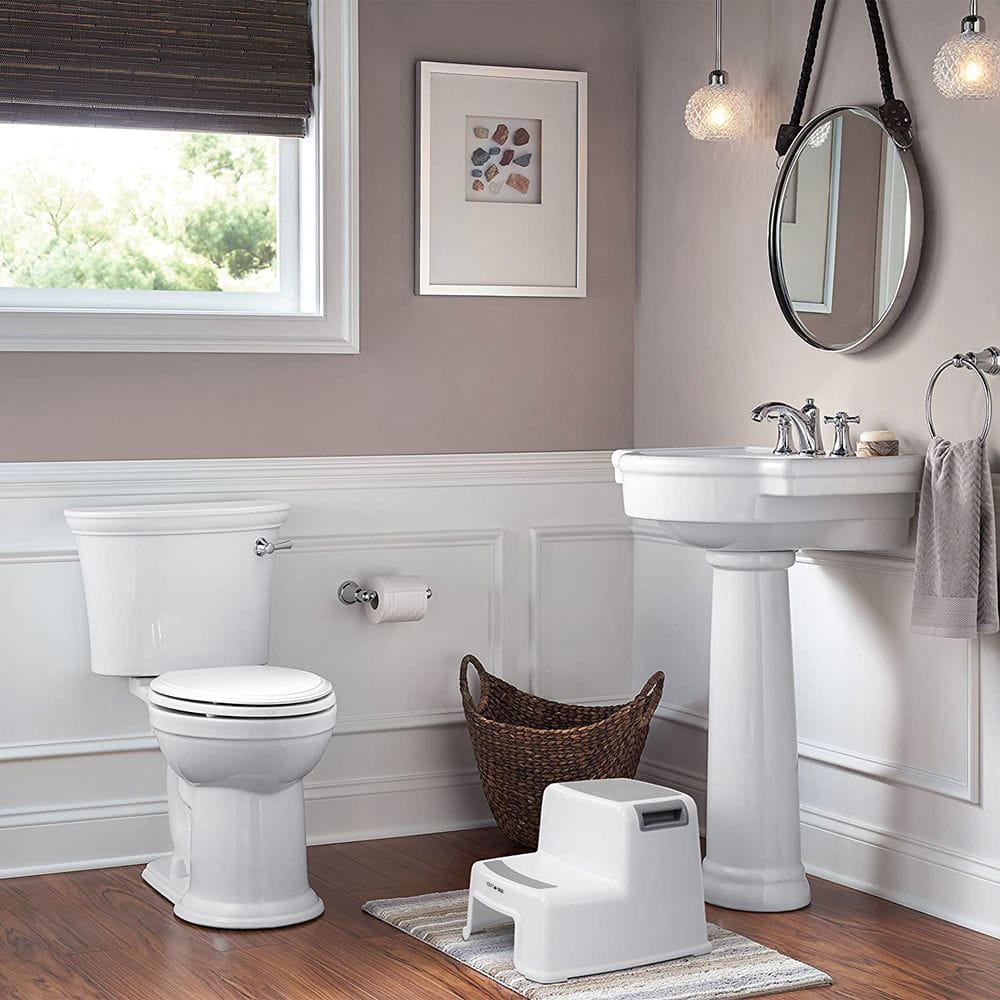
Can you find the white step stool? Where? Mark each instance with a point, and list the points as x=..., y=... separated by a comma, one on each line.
x=615, y=882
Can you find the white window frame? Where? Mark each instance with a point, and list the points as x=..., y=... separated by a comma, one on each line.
x=320, y=213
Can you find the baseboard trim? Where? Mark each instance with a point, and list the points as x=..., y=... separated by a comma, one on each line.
x=112, y=834
x=87, y=864
x=880, y=863
x=877, y=861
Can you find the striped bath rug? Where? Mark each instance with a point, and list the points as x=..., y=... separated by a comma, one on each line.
x=735, y=967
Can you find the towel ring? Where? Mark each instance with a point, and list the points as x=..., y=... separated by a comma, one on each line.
x=984, y=363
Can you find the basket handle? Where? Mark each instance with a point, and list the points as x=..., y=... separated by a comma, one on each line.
x=463, y=682
x=650, y=696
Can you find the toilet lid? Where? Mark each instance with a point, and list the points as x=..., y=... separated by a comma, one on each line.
x=245, y=692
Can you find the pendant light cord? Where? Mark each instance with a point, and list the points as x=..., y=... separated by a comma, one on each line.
x=718, y=34
x=894, y=113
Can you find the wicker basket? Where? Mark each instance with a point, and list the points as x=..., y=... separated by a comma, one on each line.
x=523, y=743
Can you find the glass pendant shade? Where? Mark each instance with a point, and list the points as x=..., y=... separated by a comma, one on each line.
x=968, y=65
x=718, y=111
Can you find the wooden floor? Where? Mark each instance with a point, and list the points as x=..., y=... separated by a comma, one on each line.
x=106, y=934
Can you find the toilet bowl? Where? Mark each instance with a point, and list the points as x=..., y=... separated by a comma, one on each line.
x=241, y=745
x=178, y=600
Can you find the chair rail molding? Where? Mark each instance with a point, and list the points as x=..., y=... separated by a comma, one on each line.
x=144, y=477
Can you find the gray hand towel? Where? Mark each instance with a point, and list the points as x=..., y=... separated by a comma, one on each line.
x=955, y=584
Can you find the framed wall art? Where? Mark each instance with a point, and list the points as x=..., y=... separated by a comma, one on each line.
x=502, y=178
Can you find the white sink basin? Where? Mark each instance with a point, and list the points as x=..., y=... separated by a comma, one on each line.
x=752, y=510
x=750, y=500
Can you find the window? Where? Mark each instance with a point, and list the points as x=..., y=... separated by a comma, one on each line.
x=157, y=237
x=147, y=219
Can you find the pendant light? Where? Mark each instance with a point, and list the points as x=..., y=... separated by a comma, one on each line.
x=968, y=65
x=718, y=111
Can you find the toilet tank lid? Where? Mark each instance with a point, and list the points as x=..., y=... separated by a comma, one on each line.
x=177, y=518
x=254, y=685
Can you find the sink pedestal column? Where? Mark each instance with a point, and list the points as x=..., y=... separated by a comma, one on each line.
x=754, y=857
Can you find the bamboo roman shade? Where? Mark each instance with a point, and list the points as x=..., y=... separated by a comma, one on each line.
x=195, y=65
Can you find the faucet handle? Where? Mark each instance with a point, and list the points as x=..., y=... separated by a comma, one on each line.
x=784, y=446
x=843, y=446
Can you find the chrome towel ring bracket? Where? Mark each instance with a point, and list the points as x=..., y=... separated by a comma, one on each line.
x=986, y=362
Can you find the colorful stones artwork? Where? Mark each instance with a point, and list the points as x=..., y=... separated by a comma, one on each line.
x=518, y=182
x=515, y=143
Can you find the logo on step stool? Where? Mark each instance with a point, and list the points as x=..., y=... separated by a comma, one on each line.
x=495, y=888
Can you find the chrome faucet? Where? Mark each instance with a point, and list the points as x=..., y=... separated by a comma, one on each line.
x=805, y=424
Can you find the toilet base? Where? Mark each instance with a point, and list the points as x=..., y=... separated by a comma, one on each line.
x=163, y=876
x=249, y=916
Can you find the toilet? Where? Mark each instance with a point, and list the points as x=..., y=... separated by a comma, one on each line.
x=179, y=602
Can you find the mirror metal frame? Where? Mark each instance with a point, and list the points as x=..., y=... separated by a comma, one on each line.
x=916, y=204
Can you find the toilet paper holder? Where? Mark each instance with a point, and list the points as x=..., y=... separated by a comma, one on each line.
x=351, y=592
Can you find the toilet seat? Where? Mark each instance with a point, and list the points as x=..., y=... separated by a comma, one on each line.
x=254, y=692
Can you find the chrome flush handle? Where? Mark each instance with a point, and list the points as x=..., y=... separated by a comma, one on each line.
x=843, y=446
x=265, y=548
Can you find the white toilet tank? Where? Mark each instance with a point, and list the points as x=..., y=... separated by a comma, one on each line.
x=177, y=586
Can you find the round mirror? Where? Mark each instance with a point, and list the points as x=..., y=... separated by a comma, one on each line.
x=845, y=233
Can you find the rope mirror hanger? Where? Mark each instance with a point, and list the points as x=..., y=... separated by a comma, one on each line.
x=894, y=114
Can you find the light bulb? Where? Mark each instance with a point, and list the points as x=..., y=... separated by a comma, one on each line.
x=719, y=115
x=718, y=111
x=968, y=65
x=972, y=73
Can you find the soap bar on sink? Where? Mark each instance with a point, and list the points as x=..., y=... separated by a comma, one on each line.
x=877, y=444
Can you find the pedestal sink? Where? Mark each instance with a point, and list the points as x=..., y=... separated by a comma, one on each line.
x=752, y=510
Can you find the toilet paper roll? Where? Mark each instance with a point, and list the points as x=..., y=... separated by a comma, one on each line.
x=400, y=599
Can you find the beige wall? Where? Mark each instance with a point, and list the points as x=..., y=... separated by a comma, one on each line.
x=434, y=374
x=711, y=342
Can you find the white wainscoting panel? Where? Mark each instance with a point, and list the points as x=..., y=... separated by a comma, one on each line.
x=673, y=602
x=399, y=677
x=581, y=616
x=873, y=698
x=81, y=780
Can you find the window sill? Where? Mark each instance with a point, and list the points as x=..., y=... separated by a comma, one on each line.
x=234, y=333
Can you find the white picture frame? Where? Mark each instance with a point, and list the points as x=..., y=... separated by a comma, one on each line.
x=466, y=244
